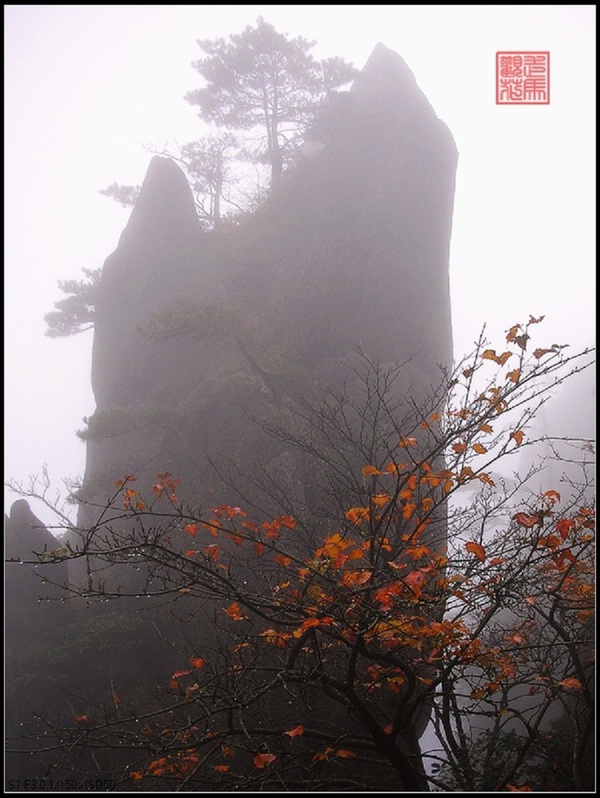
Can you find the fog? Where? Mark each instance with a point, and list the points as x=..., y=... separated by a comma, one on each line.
x=87, y=87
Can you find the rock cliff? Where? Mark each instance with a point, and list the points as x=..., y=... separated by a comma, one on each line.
x=350, y=251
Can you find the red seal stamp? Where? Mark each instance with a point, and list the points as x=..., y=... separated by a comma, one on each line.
x=523, y=78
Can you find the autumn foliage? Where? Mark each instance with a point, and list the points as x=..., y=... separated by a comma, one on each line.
x=444, y=597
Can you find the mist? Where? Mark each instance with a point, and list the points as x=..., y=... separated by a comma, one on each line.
x=283, y=366
x=522, y=236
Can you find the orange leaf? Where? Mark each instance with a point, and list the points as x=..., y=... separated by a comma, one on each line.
x=459, y=448
x=477, y=447
x=283, y=560
x=384, y=594
x=192, y=552
x=234, y=611
x=571, y=683
x=553, y=496
x=306, y=625
x=343, y=753
x=405, y=442
x=212, y=551
x=286, y=520
x=538, y=353
x=427, y=504
x=197, y=662
x=393, y=468
x=276, y=638
x=221, y=768
x=261, y=760
x=417, y=551
x=259, y=548
x=356, y=515
x=486, y=428
x=370, y=471
x=518, y=436
x=295, y=732
x=354, y=578
x=514, y=375
x=512, y=333
x=379, y=499
x=212, y=528
x=490, y=354
x=229, y=512
x=191, y=529
x=476, y=549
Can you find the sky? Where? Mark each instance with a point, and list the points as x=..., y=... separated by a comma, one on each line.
x=88, y=89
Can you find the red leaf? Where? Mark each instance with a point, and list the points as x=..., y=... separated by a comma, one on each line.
x=323, y=755
x=295, y=732
x=564, y=526
x=528, y=521
x=177, y=674
x=415, y=578
x=261, y=760
x=191, y=529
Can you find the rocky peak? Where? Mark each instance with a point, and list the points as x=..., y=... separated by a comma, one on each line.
x=25, y=533
x=165, y=208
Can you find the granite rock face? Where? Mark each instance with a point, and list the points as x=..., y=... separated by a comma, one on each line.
x=351, y=250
